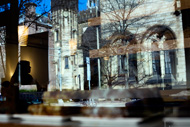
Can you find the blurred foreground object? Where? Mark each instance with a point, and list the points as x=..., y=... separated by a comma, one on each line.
x=148, y=102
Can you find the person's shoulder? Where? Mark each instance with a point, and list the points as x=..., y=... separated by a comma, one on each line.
x=29, y=76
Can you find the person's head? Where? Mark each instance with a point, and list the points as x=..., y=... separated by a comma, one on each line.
x=25, y=67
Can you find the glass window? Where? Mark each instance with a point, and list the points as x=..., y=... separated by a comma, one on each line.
x=124, y=62
x=106, y=61
x=66, y=62
x=156, y=63
x=168, y=63
x=56, y=35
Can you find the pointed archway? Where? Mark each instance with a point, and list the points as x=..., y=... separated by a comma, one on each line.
x=162, y=63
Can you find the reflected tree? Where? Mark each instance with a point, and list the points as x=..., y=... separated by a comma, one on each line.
x=122, y=23
x=9, y=32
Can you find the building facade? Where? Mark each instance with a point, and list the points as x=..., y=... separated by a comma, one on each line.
x=135, y=44
x=67, y=57
x=142, y=46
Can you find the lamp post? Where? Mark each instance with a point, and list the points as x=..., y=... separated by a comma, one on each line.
x=98, y=45
x=88, y=71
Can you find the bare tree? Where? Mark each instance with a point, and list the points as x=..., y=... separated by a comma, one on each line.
x=124, y=26
x=119, y=17
x=110, y=75
x=18, y=10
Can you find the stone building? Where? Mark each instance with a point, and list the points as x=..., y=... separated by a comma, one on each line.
x=143, y=43
x=67, y=58
x=87, y=40
x=185, y=12
x=73, y=39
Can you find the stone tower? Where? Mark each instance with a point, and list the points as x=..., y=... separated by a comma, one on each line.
x=64, y=19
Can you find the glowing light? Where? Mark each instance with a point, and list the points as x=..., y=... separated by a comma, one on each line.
x=106, y=58
x=11, y=73
x=73, y=46
x=23, y=35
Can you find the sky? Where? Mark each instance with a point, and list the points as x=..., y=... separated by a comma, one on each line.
x=81, y=5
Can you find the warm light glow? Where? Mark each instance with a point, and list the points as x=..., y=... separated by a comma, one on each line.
x=11, y=73
x=73, y=46
x=11, y=70
x=23, y=35
x=106, y=58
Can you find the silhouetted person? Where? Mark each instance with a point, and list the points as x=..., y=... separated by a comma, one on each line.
x=26, y=78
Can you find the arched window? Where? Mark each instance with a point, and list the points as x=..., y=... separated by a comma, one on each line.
x=127, y=62
x=163, y=58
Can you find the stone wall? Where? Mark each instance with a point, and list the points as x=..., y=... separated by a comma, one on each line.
x=145, y=16
x=65, y=28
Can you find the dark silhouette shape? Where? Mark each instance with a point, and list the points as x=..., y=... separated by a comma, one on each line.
x=26, y=78
x=168, y=87
x=4, y=88
x=11, y=90
x=10, y=95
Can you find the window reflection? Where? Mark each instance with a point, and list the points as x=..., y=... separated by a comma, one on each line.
x=125, y=51
x=66, y=62
x=156, y=63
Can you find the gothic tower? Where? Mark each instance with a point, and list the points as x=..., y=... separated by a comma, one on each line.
x=64, y=19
